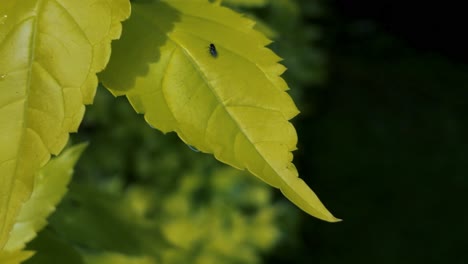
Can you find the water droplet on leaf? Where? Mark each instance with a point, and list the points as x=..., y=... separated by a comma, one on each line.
x=193, y=148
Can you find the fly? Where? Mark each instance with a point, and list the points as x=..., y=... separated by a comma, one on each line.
x=213, y=50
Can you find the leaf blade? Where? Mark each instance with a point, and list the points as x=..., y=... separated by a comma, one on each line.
x=233, y=105
x=48, y=72
x=14, y=257
x=49, y=187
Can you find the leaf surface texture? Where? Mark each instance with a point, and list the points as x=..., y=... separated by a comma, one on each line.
x=49, y=187
x=50, y=52
x=232, y=102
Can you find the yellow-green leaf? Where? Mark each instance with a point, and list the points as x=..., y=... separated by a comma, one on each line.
x=247, y=3
x=50, y=247
x=14, y=257
x=232, y=103
x=50, y=185
x=50, y=51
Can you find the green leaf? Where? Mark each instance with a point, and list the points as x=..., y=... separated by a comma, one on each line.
x=50, y=248
x=90, y=217
x=50, y=52
x=49, y=187
x=246, y=3
x=14, y=257
x=234, y=104
x=117, y=258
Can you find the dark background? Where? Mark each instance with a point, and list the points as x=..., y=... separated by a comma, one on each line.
x=386, y=147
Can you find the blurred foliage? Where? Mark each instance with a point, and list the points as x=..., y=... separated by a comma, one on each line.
x=52, y=249
x=384, y=143
x=296, y=40
x=139, y=196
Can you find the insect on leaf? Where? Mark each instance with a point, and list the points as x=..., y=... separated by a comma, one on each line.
x=233, y=105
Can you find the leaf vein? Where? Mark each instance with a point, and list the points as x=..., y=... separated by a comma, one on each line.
x=17, y=100
x=221, y=102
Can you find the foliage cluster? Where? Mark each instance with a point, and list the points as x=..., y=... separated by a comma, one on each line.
x=139, y=197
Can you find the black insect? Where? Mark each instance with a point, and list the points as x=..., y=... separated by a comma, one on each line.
x=213, y=50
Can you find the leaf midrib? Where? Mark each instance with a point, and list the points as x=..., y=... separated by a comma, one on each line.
x=38, y=7
x=225, y=107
